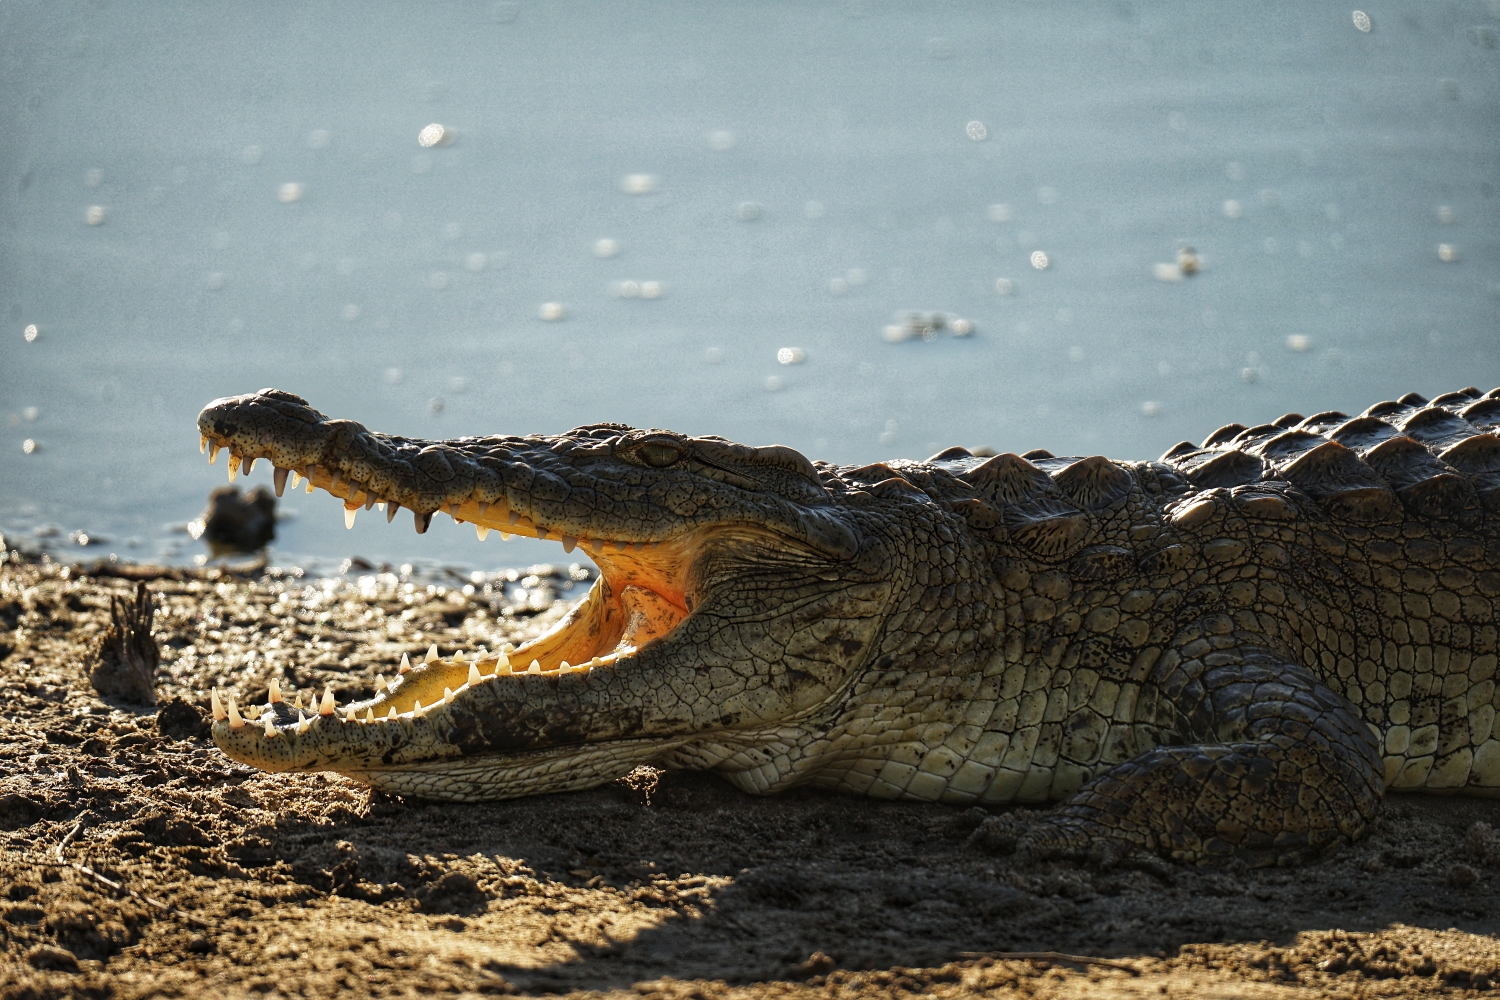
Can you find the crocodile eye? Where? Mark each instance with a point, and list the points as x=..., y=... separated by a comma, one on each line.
x=659, y=455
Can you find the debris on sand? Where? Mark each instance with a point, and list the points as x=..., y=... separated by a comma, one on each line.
x=126, y=656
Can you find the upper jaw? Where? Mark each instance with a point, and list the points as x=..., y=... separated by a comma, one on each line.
x=574, y=488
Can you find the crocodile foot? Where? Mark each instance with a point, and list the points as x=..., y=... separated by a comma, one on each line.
x=1032, y=836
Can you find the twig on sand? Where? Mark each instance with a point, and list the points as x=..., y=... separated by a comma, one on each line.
x=118, y=886
x=1052, y=956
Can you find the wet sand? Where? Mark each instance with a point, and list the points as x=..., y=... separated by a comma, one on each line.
x=136, y=860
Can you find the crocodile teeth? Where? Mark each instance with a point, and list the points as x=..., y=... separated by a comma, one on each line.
x=213, y=452
x=447, y=696
x=474, y=677
x=369, y=715
x=302, y=722
x=351, y=713
x=423, y=521
x=390, y=511
x=270, y=725
x=275, y=695
x=481, y=531
x=296, y=477
x=513, y=517
x=298, y=702
x=279, y=478
x=234, y=466
x=432, y=654
x=380, y=684
x=392, y=713
x=370, y=502
x=417, y=711
x=349, y=513
x=569, y=543
x=236, y=720
x=333, y=483
x=249, y=464
x=535, y=668
x=405, y=664
x=328, y=705
x=458, y=656
x=504, y=536
x=218, y=706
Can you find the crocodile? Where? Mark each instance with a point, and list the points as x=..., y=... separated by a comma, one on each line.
x=1227, y=654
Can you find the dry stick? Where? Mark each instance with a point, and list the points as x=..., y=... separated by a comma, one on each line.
x=116, y=885
x=1052, y=956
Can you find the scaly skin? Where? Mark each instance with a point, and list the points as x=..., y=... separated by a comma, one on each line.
x=1228, y=653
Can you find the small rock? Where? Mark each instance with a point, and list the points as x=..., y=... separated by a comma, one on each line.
x=181, y=721
x=49, y=956
x=1462, y=876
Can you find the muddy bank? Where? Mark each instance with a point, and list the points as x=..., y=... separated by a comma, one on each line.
x=136, y=860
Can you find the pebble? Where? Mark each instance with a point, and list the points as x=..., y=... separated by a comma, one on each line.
x=638, y=183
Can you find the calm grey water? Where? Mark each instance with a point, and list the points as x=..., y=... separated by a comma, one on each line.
x=814, y=169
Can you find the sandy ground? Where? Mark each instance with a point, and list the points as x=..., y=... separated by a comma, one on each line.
x=135, y=860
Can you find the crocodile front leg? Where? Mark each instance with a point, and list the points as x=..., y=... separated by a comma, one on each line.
x=1279, y=767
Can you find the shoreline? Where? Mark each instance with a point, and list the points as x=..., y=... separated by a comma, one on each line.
x=676, y=886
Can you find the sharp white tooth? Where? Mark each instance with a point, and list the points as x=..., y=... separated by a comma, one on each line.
x=564, y=666
x=513, y=517
x=458, y=657
x=535, y=668
x=417, y=711
x=405, y=664
x=295, y=477
x=275, y=694
x=474, y=677
x=432, y=653
x=236, y=720
x=349, y=513
x=302, y=722
x=380, y=504
x=234, y=466
x=309, y=484
x=218, y=706
x=351, y=713
x=504, y=536
x=202, y=443
x=328, y=705
x=392, y=713
x=369, y=715
x=270, y=725
x=481, y=531
x=379, y=683
x=447, y=696
x=213, y=452
x=298, y=702
x=569, y=543
x=279, y=478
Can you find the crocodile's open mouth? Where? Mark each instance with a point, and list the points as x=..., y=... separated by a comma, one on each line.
x=642, y=595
